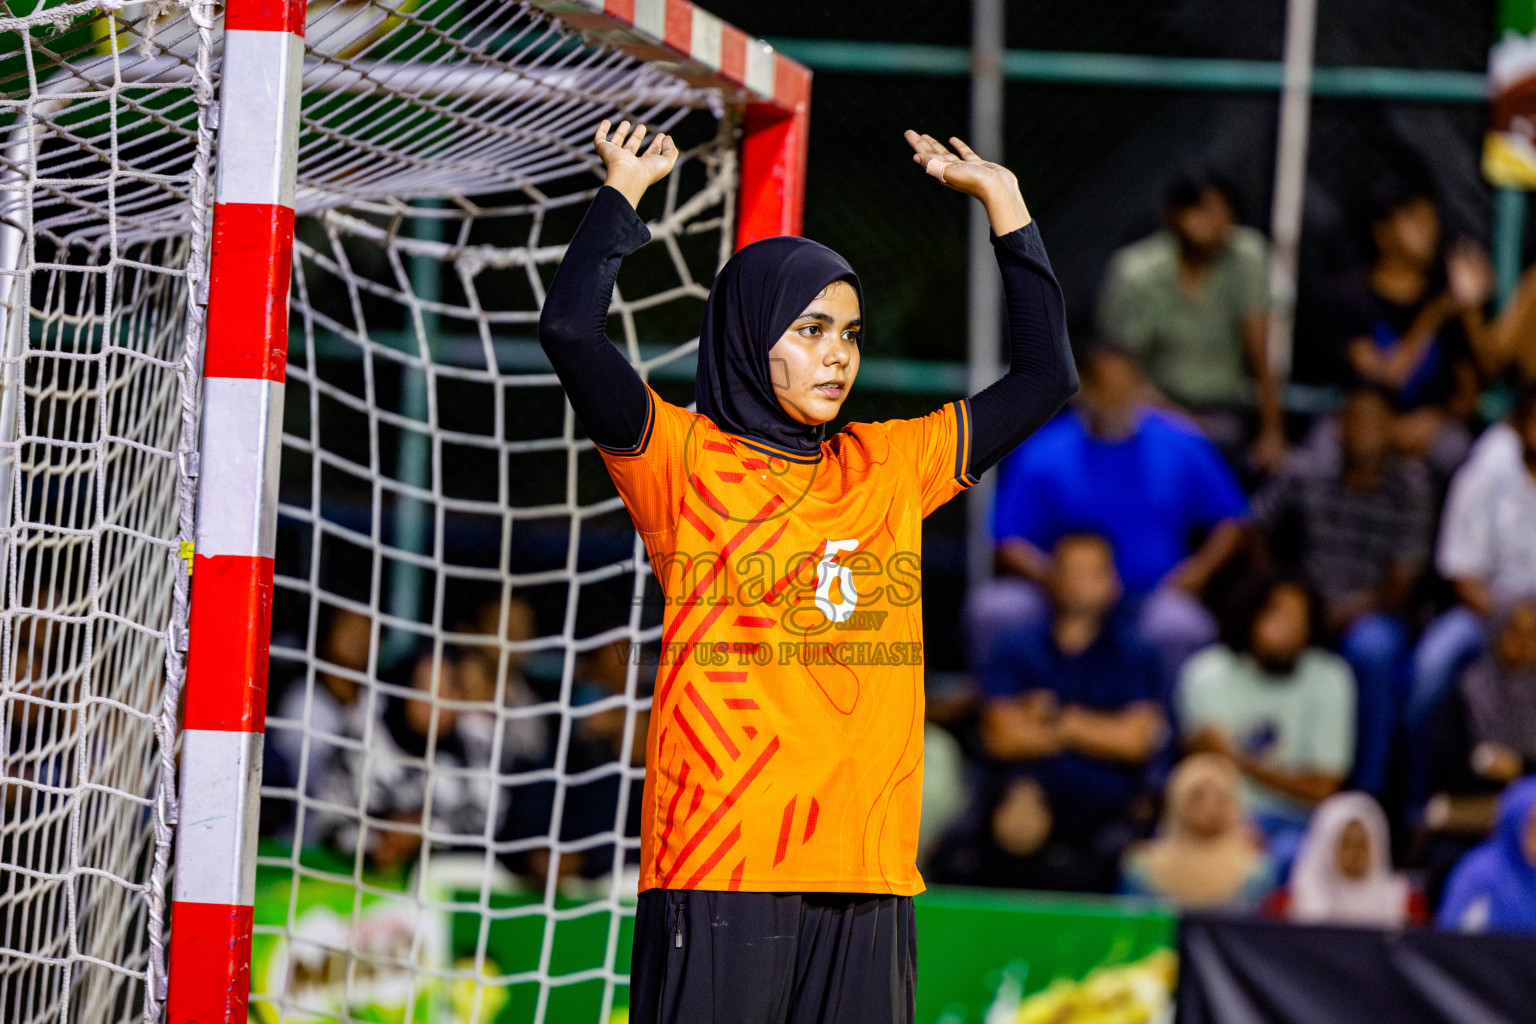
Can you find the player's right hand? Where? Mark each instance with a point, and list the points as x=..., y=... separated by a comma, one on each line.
x=629, y=170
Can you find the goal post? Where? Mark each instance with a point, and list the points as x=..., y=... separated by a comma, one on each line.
x=266, y=77
x=309, y=702
x=244, y=363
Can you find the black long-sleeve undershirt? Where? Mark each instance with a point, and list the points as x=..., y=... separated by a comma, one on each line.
x=609, y=396
x=1041, y=375
x=605, y=390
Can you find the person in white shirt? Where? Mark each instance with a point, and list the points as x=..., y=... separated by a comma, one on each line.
x=1281, y=709
x=1487, y=549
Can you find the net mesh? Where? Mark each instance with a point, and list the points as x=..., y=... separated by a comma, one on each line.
x=452, y=768
x=453, y=745
x=452, y=740
x=103, y=173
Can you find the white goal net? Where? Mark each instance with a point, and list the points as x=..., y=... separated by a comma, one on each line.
x=454, y=744
x=103, y=173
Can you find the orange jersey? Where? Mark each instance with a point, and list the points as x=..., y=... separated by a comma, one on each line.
x=786, y=738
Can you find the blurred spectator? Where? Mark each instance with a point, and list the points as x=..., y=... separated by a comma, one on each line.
x=951, y=709
x=945, y=789
x=1192, y=300
x=1494, y=886
x=495, y=668
x=1484, y=735
x=530, y=724
x=39, y=698
x=1280, y=708
x=1007, y=839
x=1366, y=520
x=1072, y=703
x=1343, y=871
x=1514, y=339
x=1412, y=322
x=428, y=771
x=1499, y=693
x=427, y=767
x=600, y=711
x=1487, y=548
x=1137, y=477
x=315, y=725
x=1204, y=855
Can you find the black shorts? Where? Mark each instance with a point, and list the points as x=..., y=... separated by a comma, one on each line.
x=704, y=957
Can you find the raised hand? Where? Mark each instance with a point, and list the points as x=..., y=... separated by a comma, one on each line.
x=964, y=171
x=629, y=170
x=1469, y=276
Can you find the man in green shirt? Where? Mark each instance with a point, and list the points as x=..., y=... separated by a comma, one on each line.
x=1192, y=300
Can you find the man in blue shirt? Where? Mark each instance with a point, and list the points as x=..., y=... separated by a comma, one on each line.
x=1072, y=707
x=1146, y=481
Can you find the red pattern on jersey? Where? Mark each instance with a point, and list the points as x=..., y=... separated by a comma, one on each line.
x=788, y=704
x=789, y=819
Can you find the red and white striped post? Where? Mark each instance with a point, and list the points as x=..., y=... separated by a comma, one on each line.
x=244, y=361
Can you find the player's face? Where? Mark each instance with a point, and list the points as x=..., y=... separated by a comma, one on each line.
x=815, y=361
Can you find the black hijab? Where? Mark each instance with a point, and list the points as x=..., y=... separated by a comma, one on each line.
x=755, y=297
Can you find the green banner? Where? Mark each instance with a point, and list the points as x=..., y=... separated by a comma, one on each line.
x=1042, y=958
x=392, y=948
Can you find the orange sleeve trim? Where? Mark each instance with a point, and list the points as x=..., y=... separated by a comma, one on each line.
x=638, y=448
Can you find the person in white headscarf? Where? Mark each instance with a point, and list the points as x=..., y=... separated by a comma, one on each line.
x=1343, y=873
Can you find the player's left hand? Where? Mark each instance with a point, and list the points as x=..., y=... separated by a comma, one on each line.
x=629, y=170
